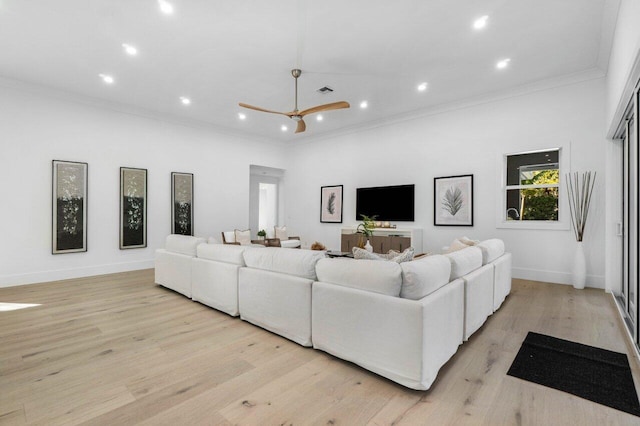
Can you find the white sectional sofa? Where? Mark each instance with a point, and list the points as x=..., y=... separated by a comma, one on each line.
x=401, y=321
x=275, y=291
x=173, y=262
x=215, y=275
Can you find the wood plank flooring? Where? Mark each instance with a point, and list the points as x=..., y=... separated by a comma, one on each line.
x=119, y=350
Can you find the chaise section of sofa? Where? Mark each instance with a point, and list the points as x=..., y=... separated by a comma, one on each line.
x=173, y=262
x=215, y=275
x=358, y=315
x=274, y=290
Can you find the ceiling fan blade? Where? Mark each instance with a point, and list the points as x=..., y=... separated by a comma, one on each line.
x=325, y=107
x=262, y=109
x=301, y=126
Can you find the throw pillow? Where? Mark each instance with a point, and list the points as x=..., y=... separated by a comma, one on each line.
x=405, y=256
x=456, y=245
x=243, y=237
x=359, y=253
x=281, y=233
x=468, y=241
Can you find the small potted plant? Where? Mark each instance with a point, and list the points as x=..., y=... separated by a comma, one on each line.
x=366, y=229
x=262, y=234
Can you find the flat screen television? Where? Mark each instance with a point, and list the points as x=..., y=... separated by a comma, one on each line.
x=386, y=203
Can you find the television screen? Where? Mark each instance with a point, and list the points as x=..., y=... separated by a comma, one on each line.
x=386, y=203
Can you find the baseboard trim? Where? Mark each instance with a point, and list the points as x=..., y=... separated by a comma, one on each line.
x=593, y=281
x=64, y=274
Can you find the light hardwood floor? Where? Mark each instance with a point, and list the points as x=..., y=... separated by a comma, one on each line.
x=117, y=350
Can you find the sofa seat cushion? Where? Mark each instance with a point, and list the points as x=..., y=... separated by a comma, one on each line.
x=226, y=253
x=464, y=261
x=491, y=250
x=301, y=263
x=424, y=276
x=183, y=244
x=371, y=275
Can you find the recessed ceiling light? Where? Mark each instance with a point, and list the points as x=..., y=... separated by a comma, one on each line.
x=242, y=115
x=481, y=22
x=165, y=7
x=319, y=117
x=364, y=104
x=185, y=100
x=502, y=64
x=107, y=78
x=129, y=49
x=284, y=128
x=422, y=87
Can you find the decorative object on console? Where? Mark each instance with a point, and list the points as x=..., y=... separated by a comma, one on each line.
x=133, y=208
x=453, y=201
x=366, y=230
x=182, y=203
x=331, y=204
x=579, y=190
x=69, y=207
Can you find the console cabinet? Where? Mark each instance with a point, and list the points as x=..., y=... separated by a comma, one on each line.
x=384, y=239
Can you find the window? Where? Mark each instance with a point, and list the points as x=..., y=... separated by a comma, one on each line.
x=532, y=192
x=532, y=186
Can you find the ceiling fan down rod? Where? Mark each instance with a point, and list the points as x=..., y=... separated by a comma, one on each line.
x=296, y=73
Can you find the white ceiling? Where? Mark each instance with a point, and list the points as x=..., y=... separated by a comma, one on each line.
x=219, y=53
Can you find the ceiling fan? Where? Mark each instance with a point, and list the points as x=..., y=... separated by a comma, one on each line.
x=296, y=115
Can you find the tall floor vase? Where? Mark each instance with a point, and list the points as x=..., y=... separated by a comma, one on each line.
x=579, y=267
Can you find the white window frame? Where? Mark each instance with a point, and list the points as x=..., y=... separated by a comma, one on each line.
x=562, y=224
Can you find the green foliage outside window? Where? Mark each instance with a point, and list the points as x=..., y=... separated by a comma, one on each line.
x=540, y=203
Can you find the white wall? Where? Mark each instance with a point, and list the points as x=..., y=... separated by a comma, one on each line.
x=37, y=128
x=463, y=141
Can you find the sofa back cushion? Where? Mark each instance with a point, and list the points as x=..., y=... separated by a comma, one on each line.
x=464, y=261
x=370, y=275
x=301, y=263
x=226, y=253
x=491, y=250
x=183, y=244
x=424, y=276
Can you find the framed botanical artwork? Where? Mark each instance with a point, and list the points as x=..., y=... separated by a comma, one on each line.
x=182, y=203
x=331, y=204
x=453, y=201
x=133, y=208
x=69, y=207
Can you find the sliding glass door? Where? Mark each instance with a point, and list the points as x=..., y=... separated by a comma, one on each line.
x=628, y=297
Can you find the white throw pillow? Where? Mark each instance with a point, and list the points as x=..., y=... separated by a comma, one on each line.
x=456, y=245
x=243, y=237
x=359, y=253
x=281, y=233
x=468, y=241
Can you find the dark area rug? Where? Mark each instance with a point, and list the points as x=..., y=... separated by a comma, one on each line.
x=591, y=373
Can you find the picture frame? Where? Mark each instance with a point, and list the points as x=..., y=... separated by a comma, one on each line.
x=69, y=206
x=331, y=198
x=453, y=200
x=133, y=208
x=182, y=203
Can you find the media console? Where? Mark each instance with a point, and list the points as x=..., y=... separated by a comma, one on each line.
x=383, y=239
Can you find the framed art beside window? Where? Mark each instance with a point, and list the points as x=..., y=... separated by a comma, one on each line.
x=453, y=201
x=133, y=208
x=69, y=207
x=182, y=203
x=331, y=204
